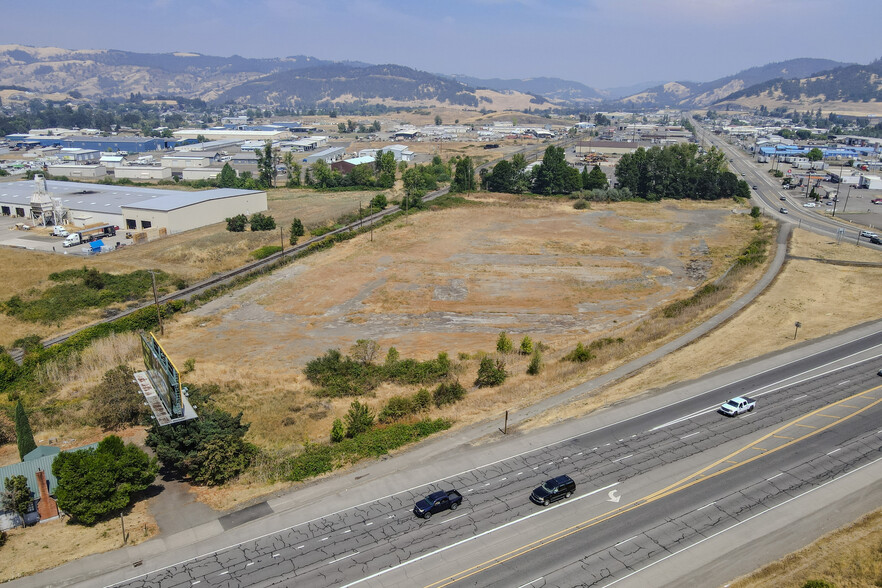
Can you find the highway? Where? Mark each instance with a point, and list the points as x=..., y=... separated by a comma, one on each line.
x=648, y=486
x=770, y=191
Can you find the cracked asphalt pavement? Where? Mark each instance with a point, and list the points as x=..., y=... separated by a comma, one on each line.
x=381, y=543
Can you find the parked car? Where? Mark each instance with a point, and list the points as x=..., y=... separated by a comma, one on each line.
x=437, y=502
x=783, y=210
x=811, y=205
x=554, y=489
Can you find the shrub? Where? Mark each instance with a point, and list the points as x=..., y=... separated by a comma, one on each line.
x=338, y=433
x=189, y=365
x=448, y=393
x=490, y=373
x=755, y=212
x=359, y=419
x=117, y=402
x=675, y=308
x=580, y=354
x=526, y=346
x=379, y=202
x=262, y=222
x=818, y=584
x=265, y=251
x=421, y=400
x=3, y=537
x=535, y=364
x=392, y=357
x=580, y=204
x=396, y=407
x=236, y=224
x=503, y=343
x=7, y=429
x=604, y=342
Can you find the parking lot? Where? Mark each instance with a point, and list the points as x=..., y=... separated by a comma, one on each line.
x=40, y=239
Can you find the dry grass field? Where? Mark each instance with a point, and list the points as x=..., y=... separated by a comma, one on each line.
x=850, y=557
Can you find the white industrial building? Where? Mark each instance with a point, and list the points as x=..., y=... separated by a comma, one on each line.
x=871, y=182
x=239, y=135
x=133, y=208
x=200, y=173
x=143, y=172
x=188, y=159
x=109, y=160
x=76, y=170
x=75, y=154
x=329, y=155
x=401, y=152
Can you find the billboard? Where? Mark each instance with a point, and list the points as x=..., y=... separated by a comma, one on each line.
x=163, y=375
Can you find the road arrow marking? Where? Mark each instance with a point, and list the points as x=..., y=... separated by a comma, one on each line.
x=614, y=496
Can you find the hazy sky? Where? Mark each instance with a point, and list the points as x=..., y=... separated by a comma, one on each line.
x=602, y=43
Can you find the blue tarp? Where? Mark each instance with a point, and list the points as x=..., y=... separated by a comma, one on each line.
x=97, y=245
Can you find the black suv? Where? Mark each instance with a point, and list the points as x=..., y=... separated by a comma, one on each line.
x=553, y=489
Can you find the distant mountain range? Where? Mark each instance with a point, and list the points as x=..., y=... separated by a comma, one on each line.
x=700, y=95
x=302, y=81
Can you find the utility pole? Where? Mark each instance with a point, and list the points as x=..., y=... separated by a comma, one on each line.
x=282, y=237
x=372, y=221
x=156, y=303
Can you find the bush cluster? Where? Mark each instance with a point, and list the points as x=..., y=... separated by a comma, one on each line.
x=80, y=289
x=674, y=309
x=399, y=407
x=490, y=373
x=317, y=459
x=582, y=353
x=265, y=251
x=339, y=375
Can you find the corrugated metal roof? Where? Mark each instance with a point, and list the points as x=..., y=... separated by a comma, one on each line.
x=111, y=199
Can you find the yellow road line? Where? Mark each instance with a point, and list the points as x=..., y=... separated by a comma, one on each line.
x=829, y=416
x=678, y=486
x=781, y=437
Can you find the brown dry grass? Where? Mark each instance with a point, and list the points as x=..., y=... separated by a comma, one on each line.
x=55, y=542
x=848, y=557
x=767, y=324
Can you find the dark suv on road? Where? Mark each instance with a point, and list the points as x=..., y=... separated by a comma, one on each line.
x=553, y=489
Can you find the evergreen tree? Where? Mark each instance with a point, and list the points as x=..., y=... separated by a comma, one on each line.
x=23, y=433
x=296, y=230
x=464, y=176
x=595, y=180
x=227, y=178
x=17, y=496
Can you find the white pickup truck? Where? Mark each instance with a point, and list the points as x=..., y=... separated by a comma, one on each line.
x=738, y=405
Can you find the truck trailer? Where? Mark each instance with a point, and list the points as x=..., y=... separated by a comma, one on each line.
x=89, y=235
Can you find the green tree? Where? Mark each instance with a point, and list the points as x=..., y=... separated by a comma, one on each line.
x=595, y=180
x=526, y=345
x=535, y=365
x=227, y=177
x=464, y=176
x=392, y=357
x=262, y=222
x=386, y=162
x=554, y=175
x=437, y=120
x=338, y=433
x=448, y=393
x=297, y=231
x=364, y=351
x=341, y=128
x=94, y=483
x=503, y=343
x=490, y=373
x=755, y=212
x=236, y=224
x=742, y=190
x=117, y=402
x=815, y=154
x=379, y=202
x=267, y=160
x=17, y=496
x=24, y=436
x=580, y=354
x=359, y=419
x=191, y=447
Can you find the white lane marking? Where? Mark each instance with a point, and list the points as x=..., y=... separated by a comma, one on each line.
x=709, y=537
x=347, y=531
x=301, y=546
x=843, y=382
x=326, y=538
x=520, y=473
x=276, y=555
x=250, y=563
x=803, y=396
x=706, y=505
x=503, y=479
x=224, y=573
x=453, y=519
x=834, y=451
x=196, y=582
x=621, y=458
x=778, y=384
x=580, y=453
x=690, y=435
x=531, y=582
x=368, y=524
x=354, y=553
x=626, y=540
x=536, y=449
x=472, y=538
x=773, y=477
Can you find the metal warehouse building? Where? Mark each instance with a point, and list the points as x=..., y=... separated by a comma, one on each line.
x=133, y=207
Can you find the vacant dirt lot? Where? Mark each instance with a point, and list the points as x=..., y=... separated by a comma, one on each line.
x=450, y=281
